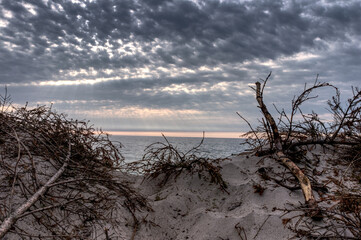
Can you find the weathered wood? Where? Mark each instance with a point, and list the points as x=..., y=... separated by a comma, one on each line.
x=281, y=156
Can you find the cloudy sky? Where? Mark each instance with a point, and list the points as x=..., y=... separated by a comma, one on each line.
x=181, y=65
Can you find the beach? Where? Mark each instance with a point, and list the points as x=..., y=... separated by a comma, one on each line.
x=252, y=207
x=191, y=208
x=60, y=180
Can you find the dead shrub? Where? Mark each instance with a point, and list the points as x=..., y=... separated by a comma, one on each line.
x=38, y=143
x=295, y=134
x=165, y=161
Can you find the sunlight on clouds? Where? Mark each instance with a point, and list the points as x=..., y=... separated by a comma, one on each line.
x=72, y=82
x=295, y=70
x=81, y=3
x=89, y=76
x=210, y=69
x=246, y=92
x=182, y=88
x=337, y=3
x=6, y=15
x=143, y=73
x=107, y=47
x=87, y=72
x=129, y=48
x=179, y=71
x=9, y=45
x=139, y=112
x=279, y=62
x=30, y=8
x=56, y=7
x=108, y=71
x=3, y=23
x=269, y=63
x=301, y=56
x=224, y=87
x=79, y=102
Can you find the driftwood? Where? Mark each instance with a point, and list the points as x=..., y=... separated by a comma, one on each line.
x=281, y=156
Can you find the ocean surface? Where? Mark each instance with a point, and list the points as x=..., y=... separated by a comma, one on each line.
x=133, y=146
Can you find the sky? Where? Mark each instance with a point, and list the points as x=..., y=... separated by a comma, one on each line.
x=175, y=65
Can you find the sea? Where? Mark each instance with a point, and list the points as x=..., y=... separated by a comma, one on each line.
x=132, y=147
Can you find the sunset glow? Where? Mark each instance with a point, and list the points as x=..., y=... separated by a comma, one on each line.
x=178, y=134
x=177, y=66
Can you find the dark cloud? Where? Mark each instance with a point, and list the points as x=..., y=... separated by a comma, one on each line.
x=61, y=34
x=149, y=47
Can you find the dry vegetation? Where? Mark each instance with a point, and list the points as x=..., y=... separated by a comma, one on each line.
x=62, y=180
x=292, y=140
x=163, y=160
x=59, y=178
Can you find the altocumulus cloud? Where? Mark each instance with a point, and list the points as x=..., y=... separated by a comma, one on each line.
x=173, y=65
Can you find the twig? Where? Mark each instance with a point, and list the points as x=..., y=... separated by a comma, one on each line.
x=15, y=171
x=241, y=232
x=250, y=126
x=10, y=221
x=49, y=207
x=255, y=236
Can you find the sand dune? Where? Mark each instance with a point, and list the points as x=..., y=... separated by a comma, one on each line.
x=191, y=208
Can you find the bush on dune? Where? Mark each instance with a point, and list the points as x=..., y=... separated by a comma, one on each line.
x=59, y=177
x=293, y=137
x=163, y=160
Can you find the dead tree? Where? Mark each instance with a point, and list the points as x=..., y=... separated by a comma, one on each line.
x=297, y=133
x=281, y=156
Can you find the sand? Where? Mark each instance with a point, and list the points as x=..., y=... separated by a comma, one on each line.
x=191, y=208
x=195, y=209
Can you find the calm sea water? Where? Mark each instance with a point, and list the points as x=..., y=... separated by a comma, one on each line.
x=133, y=146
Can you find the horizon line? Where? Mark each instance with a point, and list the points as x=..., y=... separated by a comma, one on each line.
x=177, y=134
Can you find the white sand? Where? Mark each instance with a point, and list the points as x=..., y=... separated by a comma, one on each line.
x=191, y=208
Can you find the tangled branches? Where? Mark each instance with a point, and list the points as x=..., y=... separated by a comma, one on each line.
x=342, y=218
x=59, y=178
x=340, y=207
x=298, y=128
x=165, y=160
x=294, y=136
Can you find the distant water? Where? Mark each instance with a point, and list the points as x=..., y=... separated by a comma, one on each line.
x=133, y=146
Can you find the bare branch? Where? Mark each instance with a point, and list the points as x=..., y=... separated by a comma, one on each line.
x=281, y=156
x=11, y=220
